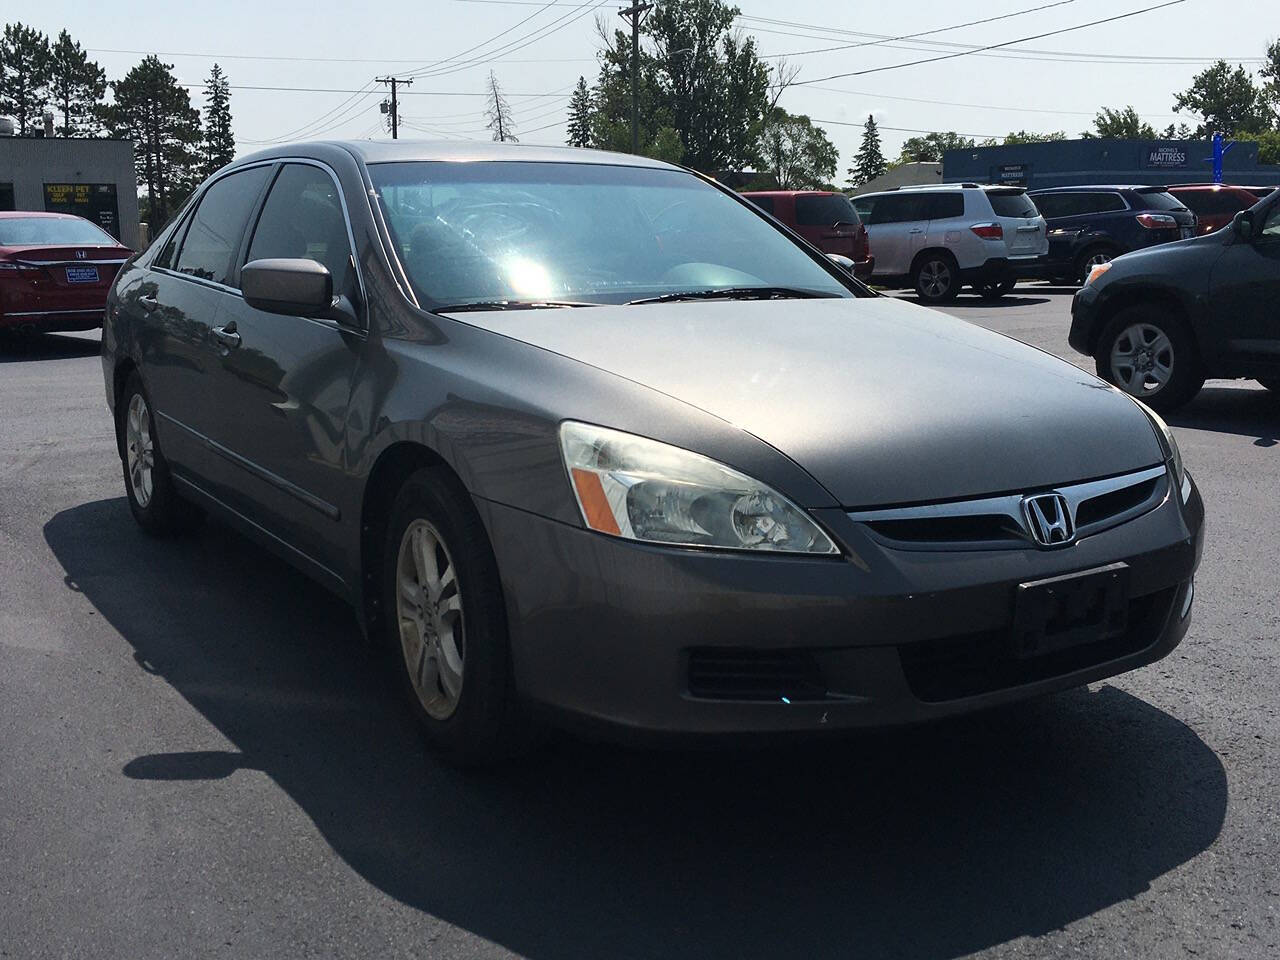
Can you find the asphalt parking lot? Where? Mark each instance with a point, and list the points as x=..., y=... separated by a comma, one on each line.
x=198, y=758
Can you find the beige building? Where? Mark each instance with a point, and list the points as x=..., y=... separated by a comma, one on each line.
x=903, y=175
x=91, y=178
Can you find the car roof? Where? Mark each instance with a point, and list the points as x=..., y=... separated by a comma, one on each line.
x=1094, y=187
x=1204, y=186
x=391, y=151
x=792, y=193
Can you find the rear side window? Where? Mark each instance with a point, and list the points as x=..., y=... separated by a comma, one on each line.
x=1210, y=202
x=825, y=211
x=303, y=219
x=214, y=236
x=764, y=203
x=943, y=206
x=1158, y=200
x=898, y=208
x=1011, y=204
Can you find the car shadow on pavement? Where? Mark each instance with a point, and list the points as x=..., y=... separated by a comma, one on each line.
x=925, y=842
x=964, y=300
x=1243, y=410
x=46, y=346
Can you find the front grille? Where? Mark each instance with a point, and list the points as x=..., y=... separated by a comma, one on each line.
x=728, y=674
x=1099, y=509
x=979, y=528
x=950, y=668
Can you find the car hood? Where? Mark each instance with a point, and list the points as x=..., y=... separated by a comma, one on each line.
x=883, y=402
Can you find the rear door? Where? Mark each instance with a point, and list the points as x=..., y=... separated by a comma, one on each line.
x=1023, y=227
x=281, y=384
x=177, y=304
x=896, y=223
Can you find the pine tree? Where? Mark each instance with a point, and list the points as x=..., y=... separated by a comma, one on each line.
x=869, y=162
x=498, y=114
x=155, y=112
x=580, y=110
x=219, y=146
x=24, y=76
x=77, y=85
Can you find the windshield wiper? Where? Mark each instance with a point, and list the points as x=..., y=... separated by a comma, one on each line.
x=510, y=305
x=735, y=293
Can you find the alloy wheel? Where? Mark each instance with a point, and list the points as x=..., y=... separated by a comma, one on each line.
x=429, y=612
x=935, y=278
x=1142, y=359
x=140, y=450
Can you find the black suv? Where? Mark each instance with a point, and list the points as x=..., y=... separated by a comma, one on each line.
x=1091, y=225
x=1159, y=321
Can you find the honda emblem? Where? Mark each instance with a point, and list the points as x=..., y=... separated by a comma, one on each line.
x=1049, y=519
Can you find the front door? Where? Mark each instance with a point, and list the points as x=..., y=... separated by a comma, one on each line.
x=896, y=223
x=1244, y=289
x=282, y=384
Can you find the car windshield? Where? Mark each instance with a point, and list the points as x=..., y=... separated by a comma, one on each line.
x=1158, y=200
x=51, y=231
x=498, y=232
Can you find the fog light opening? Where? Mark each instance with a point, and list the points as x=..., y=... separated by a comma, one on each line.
x=1186, y=601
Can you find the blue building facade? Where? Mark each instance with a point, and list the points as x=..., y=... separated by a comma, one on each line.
x=1073, y=162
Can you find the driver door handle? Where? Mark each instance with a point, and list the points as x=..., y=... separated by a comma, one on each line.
x=227, y=336
x=149, y=302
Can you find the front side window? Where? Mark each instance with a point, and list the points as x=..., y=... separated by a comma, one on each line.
x=209, y=250
x=1271, y=225
x=591, y=233
x=303, y=219
x=898, y=208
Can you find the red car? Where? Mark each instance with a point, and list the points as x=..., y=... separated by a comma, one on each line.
x=55, y=271
x=1214, y=204
x=825, y=219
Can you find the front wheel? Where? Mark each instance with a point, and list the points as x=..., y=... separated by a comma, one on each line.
x=154, y=502
x=936, y=278
x=1151, y=355
x=1090, y=258
x=446, y=620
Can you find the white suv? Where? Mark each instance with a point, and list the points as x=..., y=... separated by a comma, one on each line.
x=938, y=238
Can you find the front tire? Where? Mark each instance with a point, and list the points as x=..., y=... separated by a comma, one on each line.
x=1089, y=258
x=445, y=620
x=936, y=278
x=1150, y=354
x=148, y=484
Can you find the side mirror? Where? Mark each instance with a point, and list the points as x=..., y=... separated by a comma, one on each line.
x=844, y=263
x=296, y=287
x=1242, y=225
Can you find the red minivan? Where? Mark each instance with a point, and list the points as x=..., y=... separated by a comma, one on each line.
x=825, y=219
x=55, y=271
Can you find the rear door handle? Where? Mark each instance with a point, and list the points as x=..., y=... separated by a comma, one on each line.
x=227, y=336
x=916, y=230
x=149, y=302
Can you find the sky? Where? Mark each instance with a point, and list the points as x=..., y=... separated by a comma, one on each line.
x=538, y=49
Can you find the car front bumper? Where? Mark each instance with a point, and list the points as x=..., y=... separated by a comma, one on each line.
x=645, y=639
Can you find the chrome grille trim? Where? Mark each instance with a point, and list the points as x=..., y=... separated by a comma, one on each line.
x=1015, y=533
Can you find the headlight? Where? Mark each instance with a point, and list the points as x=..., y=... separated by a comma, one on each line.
x=637, y=488
x=1096, y=271
x=1172, y=454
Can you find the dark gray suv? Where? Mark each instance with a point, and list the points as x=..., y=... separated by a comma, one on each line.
x=587, y=436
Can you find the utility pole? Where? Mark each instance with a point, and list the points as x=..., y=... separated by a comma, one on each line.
x=634, y=14
x=393, y=82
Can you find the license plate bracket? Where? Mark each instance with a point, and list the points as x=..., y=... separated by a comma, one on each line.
x=1072, y=610
x=82, y=275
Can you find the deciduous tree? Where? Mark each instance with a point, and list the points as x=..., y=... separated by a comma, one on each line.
x=798, y=154
x=931, y=147
x=1226, y=100
x=498, y=113
x=1122, y=124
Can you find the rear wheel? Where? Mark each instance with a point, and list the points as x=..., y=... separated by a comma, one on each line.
x=936, y=278
x=446, y=620
x=994, y=288
x=1092, y=257
x=154, y=502
x=1150, y=354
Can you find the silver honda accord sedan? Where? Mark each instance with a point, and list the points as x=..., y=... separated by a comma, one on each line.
x=587, y=437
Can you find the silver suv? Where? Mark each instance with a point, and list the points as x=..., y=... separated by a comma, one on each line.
x=939, y=238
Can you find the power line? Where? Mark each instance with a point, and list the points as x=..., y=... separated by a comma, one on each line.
x=406, y=93
x=281, y=59
x=976, y=106
x=993, y=46
x=846, y=123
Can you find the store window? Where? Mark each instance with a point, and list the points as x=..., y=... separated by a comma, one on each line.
x=6, y=196
x=96, y=202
